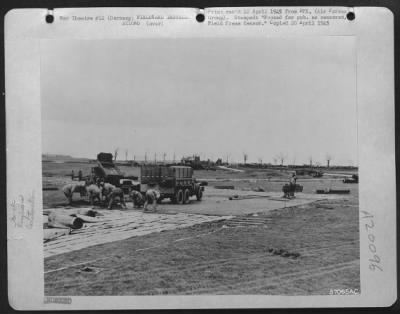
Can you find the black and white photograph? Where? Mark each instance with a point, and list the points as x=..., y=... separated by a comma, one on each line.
x=221, y=160
x=214, y=166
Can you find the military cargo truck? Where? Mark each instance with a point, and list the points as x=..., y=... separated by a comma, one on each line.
x=174, y=182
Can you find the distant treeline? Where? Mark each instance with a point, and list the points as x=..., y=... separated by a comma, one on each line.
x=197, y=164
x=270, y=166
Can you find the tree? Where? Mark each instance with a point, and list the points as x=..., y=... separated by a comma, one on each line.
x=245, y=157
x=281, y=158
x=310, y=159
x=116, y=153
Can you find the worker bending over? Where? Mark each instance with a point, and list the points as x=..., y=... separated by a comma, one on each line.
x=72, y=188
x=112, y=194
x=94, y=193
x=106, y=188
x=151, y=196
x=116, y=196
x=137, y=198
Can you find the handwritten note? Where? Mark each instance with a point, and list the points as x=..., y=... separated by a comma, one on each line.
x=22, y=211
x=375, y=259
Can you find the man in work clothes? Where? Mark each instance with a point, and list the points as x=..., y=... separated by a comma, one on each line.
x=137, y=198
x=94, y=193
x=152, y=197
x=116, y=195
x=293, y=180
x=106, y=189
x=72, y=188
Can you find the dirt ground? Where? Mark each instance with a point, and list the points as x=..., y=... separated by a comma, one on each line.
x=274, y=247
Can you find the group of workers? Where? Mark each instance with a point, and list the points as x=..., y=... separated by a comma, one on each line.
x=111, y=195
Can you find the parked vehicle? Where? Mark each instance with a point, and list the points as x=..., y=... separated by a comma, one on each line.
x=353, y=179
x=174, y=182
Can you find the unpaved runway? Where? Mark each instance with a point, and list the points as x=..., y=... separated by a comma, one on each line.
x=118, y=225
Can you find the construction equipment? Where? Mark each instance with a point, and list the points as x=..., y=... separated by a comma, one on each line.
x=174, y=182
x=107, y=171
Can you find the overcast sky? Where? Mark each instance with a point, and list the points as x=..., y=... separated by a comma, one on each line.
x=214, y=97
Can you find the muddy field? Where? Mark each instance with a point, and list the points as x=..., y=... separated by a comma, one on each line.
x=262, y=245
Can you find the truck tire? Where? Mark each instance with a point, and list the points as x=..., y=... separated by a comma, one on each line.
x=179, y=196
x=199, y=195
x=186, y=196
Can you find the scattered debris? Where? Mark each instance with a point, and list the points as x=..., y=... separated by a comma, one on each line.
x=258, y=189
x=224, y=187
x=324, y=206
x=332, y=191
x=90, y=269
x=284, y=253
x=245, y=197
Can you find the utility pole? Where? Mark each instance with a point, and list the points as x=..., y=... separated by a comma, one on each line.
x=145, y=157
x=164, y=155
x=328, y=160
